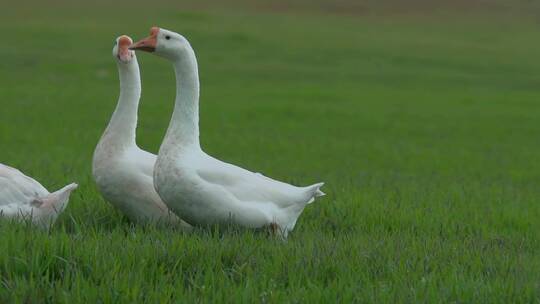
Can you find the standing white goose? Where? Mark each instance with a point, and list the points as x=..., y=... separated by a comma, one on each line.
x=122, y=171
x=23, y=198
x=202, y=189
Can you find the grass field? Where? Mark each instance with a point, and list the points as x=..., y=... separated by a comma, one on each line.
x=424, y=122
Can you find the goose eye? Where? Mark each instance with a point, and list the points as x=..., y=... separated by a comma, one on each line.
x=168, y=37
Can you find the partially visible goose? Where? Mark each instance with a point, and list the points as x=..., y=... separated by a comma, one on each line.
x=23, y=198
x=205, y=190
x=122, y=171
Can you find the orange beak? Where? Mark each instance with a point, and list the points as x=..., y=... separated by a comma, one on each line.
x=147, y=44
x=124, y=53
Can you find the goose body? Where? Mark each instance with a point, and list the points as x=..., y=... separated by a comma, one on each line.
x=207, y=191
x=122, y=171
x=200, y=188
x=23, y=198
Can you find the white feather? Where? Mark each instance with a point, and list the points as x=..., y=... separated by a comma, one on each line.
x=23, y=198
x=122, y=171
x=202, y=189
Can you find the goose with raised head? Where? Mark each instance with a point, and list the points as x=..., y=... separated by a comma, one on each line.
x=23, y=198
x=122, y=171
x=200, y=188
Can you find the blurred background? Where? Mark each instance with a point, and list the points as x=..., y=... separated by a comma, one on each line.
x=422, y=117
x=383, y=80
x=387, y=81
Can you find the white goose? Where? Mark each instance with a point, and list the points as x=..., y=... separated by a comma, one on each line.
x=23, y=198
x=202, y=189
x=122, y=171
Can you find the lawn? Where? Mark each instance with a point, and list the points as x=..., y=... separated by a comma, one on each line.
x=424, y=122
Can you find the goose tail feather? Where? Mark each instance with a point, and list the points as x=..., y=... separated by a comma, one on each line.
x=58, y=199
x=314, y=191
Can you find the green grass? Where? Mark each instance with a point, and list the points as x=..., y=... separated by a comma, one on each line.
x=424, y=127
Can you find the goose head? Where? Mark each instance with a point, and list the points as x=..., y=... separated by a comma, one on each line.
x=121, y=50
x=164, y=43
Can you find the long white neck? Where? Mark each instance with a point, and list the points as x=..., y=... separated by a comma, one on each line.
x=183, y=131
x=122, y=127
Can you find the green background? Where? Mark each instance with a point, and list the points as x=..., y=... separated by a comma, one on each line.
x=423, y=119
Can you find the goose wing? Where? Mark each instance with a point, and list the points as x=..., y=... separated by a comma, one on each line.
x=17, y=188
x=248, y=186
